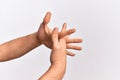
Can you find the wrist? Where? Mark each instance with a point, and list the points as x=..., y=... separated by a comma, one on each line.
x=58, y=61
x=37, y=39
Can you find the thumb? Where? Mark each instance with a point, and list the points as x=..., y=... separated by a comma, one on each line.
x=55, y=36
x=47, y=18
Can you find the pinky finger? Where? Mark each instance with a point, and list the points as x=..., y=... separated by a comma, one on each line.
x=70, y=53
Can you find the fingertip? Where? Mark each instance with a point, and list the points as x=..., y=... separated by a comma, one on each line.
x=55, y=32
x=70, y=53
x=64, y=27
x=73, y=55
x=65, y=24
x=55, y=29
x=81, y=48
x=47, y=18
x=49, y=13
x=80, y=40
x=70, y=31
x=74, y=30
x=55, y=36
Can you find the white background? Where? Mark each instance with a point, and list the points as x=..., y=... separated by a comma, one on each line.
x=96, y=21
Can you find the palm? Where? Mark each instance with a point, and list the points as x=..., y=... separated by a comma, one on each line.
x=44, y=35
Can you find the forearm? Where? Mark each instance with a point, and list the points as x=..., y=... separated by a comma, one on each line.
x=18, y=47
x=55, y=72
x=57, y=68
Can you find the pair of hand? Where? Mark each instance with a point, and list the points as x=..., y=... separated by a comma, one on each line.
x=44, y=35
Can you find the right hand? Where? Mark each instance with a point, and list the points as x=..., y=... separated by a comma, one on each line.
x=58, y=54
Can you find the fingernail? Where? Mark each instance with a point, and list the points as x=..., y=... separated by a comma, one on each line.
x=65, y=24
x=56, y=29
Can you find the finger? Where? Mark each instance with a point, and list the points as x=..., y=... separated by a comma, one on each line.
x=74, y=40
x=47, y=18
x=70, y=31
x=63, y=31
x=73, y=47
x=66, y=33
x=55, y=36
x=70, y=53
x=64, y=27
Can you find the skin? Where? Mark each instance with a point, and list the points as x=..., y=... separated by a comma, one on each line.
x=58, y=57
x=45, y=32
x=20, y=46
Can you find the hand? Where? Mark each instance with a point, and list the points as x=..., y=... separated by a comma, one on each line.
x=58, y=53
x=58, y=57
x=45, y=32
